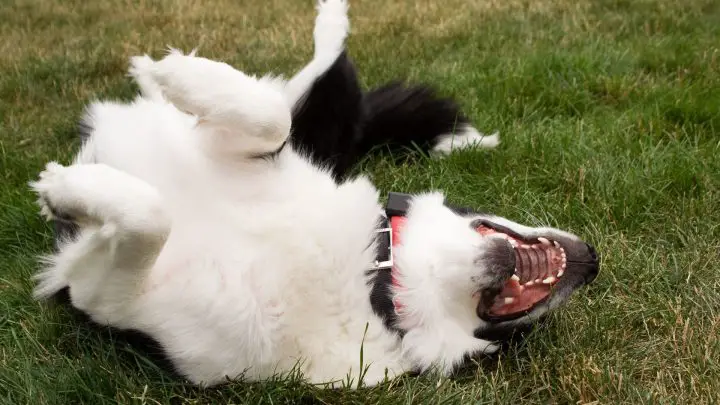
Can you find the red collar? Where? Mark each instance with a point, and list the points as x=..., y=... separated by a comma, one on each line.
x=396, y=224
x=386, y=280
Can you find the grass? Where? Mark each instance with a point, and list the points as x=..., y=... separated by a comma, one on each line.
x=609, y=112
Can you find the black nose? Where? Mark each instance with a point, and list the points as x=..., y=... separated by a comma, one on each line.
x=596, y=263
x=593, y=253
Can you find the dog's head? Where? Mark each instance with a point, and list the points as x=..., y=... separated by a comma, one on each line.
x=543, y=268
x=482, y=271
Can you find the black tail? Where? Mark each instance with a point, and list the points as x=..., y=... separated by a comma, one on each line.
x=400, y=117
x=338, y=125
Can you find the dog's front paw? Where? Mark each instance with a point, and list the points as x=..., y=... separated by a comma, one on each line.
x=140, y=66
x=49, y=188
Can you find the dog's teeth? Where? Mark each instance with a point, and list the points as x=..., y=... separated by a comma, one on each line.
x=529, y=284
x=560, y=272
x=557, y=245
x=564, y=266
x=544, y=241
x=509, y=300
x=549, y=280
x=515, y=277
x=525, y=246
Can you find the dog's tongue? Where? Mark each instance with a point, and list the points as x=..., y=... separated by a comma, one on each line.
x=515, y=298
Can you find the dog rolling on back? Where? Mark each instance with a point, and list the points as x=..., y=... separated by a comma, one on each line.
x=216, y=215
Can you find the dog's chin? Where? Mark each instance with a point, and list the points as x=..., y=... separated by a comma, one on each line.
x=547, y=269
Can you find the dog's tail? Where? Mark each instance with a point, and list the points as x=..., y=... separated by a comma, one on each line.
x=338, y=124
x=402, y=116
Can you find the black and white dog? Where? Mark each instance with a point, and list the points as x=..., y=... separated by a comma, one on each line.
x=215, y=215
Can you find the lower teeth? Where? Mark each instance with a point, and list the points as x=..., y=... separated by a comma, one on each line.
x=549, y=280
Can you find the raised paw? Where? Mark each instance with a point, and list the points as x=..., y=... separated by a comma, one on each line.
x=93, y=194
x=237, y=113
x=192, y=84
x=49, y=188
x=140, y=65
x=141, y=71
x=331, y=28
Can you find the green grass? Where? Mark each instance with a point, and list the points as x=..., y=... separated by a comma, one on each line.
x=609, y=112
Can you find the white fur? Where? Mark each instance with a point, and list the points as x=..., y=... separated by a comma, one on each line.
x=465, y=137
x=329, y=44
x=241, y=266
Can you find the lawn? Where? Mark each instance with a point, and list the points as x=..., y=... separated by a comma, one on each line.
x=608, y=112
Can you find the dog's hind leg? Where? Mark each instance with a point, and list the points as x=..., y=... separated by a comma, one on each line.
x=337, y=125
x=124, y=227
x=331, y=29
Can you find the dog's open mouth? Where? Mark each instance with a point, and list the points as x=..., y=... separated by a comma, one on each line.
x=539, y=265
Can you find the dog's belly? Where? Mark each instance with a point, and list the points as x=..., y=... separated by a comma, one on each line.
x=264, y=268
x=221, y=315
x=261, y=289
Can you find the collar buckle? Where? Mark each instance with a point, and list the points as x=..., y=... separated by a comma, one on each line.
x=384, y=259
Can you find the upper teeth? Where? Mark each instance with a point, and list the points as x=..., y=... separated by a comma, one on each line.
x=550, y=279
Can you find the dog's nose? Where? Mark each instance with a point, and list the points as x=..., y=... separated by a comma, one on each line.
x=595, y=260
x=593, y=253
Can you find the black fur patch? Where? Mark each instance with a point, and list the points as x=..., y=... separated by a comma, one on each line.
x=338, y=124
x=401, y=116
x=327, y=125
x=381, y=299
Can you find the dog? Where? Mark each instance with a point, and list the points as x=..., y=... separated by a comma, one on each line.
x=217, y=214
